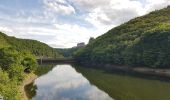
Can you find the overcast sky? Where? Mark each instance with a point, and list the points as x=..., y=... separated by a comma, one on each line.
x=64, y=23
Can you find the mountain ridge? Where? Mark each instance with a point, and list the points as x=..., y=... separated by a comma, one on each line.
x=35, y=47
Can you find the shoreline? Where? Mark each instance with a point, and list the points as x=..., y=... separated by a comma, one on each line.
x=141, y=70
x=29, y=78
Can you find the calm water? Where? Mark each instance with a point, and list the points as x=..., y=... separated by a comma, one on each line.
x=67, y=82
x=63, y=82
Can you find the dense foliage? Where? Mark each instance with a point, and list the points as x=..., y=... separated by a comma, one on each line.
x=143, y=41
x=3, y=41
x=13, y=65
x=68, y=53
x=37, y=48
x=17, y=58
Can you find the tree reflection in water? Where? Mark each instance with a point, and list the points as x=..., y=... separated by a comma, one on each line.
x=30, y=90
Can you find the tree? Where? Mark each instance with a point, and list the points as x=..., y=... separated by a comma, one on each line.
x=29, y=62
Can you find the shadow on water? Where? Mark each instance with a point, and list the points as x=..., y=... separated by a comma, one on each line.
x=125, y=73
x=122, y=85
x=30, y=90
x=43, y=69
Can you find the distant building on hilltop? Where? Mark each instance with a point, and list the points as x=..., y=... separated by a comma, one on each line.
x=82, y=44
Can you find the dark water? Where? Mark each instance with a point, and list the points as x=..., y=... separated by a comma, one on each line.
x=68, y=82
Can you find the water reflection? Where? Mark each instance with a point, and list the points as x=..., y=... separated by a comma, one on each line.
x=30, y=90
x=64, y=83
x=125, y=86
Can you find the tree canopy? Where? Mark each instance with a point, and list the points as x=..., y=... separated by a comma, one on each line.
x=12, y=71
x=37, y=48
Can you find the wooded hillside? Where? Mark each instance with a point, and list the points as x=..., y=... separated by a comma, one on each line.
x=143, y=41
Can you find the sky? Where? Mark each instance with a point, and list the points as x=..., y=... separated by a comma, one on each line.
x=64, y=23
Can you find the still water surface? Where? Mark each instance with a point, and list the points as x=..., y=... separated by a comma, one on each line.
x=63, y=82
x=70, y=82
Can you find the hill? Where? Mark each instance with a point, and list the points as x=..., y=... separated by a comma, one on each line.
x=68, y=52
x=35, y=47
x=3, y=42
x=143, y=41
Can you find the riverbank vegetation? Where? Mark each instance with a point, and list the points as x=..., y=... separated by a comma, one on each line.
x=17, y=60
x=143, y=41
x=67, y=53
x=43, y=69
x=14, y=66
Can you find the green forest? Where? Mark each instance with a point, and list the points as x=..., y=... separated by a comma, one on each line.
x=67, y=53
x=143, y=41
x=17, y=61
x=37, y=48
x=14, y=66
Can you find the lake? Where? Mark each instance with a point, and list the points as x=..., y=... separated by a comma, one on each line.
x=74, y=82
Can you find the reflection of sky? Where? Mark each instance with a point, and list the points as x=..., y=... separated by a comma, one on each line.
x=64, y=83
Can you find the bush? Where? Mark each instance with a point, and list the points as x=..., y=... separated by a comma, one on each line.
x=8, y=88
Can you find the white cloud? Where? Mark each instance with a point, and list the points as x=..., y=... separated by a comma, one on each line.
x=71, y=81
x=5, y=29
x=76, y=32
x=110, y=12
x=59, y=6
x=58, y=35
x=115, y=12
x=156, y=4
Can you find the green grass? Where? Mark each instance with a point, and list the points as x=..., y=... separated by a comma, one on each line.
x=124, y=87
